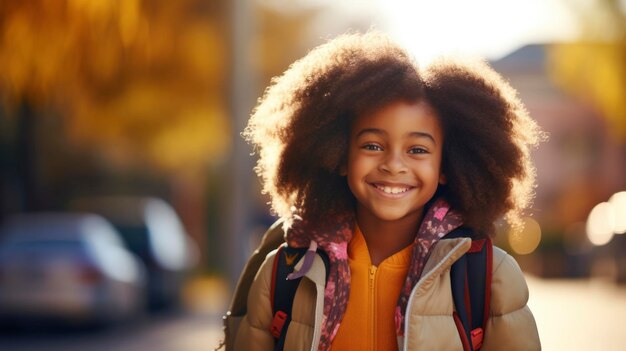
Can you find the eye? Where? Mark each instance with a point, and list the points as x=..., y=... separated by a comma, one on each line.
x=418, y=150
x=372, y=147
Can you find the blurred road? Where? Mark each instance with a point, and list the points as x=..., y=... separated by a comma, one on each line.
x=197, y=326
x=570, y=314
x=585, y=314
x=163, y=333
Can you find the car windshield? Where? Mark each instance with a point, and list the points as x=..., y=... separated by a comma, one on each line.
x=136, y=239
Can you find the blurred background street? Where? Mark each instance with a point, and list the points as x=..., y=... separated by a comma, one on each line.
x=196, y=326
x=128, y=200
x=570, y=314
x=578, y=314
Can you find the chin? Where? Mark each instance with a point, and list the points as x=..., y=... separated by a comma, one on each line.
x=388, y=216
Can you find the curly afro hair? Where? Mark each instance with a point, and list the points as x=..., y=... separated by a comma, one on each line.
x=488, y=136
x=301, y=126
x=301, y=130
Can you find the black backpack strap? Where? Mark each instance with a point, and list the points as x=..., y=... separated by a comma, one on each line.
x=470, y=278
x=283, y=291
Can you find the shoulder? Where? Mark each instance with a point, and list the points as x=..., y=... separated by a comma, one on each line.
x=253, y=331
x=259, y=309
x=508, y=285
x=259, y=294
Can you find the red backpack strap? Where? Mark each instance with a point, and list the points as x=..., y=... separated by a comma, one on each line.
x=470, y=278
x=283, y=291
x=274, y=268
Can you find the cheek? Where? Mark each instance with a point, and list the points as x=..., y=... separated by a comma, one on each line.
x=431, y=172
x=357, y=170
x=438, y=160
x=442, y=176
x=353, y=171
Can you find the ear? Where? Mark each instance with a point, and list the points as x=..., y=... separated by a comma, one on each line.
x=442, y=179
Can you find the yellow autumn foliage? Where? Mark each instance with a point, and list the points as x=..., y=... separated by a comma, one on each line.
x=148, y=75
x=596, y=73
x=593, y=67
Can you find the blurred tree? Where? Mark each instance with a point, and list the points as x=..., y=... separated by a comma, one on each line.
x=285, y=35
x=140, y=80
x=594, y=67
x=288, y=30
x=143, y=82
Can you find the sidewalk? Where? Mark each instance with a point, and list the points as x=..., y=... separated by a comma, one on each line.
x=579, y=314
x=207, y=296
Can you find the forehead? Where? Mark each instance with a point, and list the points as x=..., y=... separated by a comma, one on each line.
x=400, y=118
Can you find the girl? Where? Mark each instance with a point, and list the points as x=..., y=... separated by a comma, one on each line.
x=374, y=162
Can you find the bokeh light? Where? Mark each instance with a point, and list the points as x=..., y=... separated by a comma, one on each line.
x=600, y=224
x=618, y=203
x=526, y=240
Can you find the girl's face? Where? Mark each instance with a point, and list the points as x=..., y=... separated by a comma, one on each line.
x=394, y=161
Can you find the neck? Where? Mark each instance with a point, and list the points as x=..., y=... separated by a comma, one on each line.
x=385, y=238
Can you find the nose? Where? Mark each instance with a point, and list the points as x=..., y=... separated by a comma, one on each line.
x=393, y=163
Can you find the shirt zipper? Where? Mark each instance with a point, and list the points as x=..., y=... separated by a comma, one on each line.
x=372, y=304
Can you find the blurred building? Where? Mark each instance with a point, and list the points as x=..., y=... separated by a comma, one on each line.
x=580, y=165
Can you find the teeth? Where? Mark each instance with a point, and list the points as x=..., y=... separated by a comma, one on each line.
x=390, y=190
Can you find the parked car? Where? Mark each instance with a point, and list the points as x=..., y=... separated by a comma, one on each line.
x=153, y=231
x=69, y=267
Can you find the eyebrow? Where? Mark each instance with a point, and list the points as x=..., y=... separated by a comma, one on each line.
x=381, y=132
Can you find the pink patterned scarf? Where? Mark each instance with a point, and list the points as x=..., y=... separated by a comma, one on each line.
x=437, y=222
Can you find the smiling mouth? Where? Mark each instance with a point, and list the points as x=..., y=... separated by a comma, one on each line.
x=392, y=190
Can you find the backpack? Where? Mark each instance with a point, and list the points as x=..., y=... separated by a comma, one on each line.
x=470, y=281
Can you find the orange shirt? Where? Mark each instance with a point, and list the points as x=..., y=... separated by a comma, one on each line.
x=368, y=323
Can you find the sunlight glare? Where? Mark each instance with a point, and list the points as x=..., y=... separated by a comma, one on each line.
x=486, y=28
